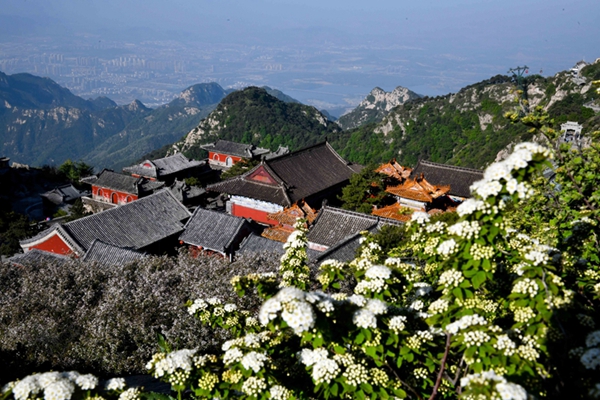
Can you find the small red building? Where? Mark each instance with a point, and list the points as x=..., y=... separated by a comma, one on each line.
x=112, y=188
x=224, y=153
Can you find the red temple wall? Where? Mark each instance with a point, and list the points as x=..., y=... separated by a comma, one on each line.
x=256, y=215
x=54, y=244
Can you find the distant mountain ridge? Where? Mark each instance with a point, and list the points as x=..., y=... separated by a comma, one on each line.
x=254, y=116
x=376, y=106
x=42, y=122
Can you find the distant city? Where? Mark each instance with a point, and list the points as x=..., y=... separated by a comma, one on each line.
x=154, y=72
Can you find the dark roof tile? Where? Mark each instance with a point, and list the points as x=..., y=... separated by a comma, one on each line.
x=235, y=149
x=213, y=230
x=163, y=166
x=460, y=179
x=107, y=254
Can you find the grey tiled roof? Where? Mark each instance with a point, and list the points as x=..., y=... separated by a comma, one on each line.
x=299, y=175
x=344, y=250
x=62, y=194
x=164, y=166
x=460, y=179
x=213, y=230
x=107, y=254
x=235, y=149
x=334, y=225
x=258, y=244
x=133, y=225
x=36, y=257
x=122, y=183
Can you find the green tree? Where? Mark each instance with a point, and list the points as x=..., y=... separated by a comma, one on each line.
x=75, y=170
x=239, y=168
x=364, y=190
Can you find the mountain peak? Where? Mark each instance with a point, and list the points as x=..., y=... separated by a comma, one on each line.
x=375, y=106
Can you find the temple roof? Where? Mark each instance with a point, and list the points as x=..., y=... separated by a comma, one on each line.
x=236, y=149
x=62, y=194
x=289, y=215
x=36, y=257
x=418, y=189
x=134, y=225
x=292, y=177
x=394, y=211
x=460, y=179
x=394, y=170
x=258, y=244
x=213, y=230
x=345, y=249
x=106, y=254
x=277, y=233
x=334, y=224
x=162, y=167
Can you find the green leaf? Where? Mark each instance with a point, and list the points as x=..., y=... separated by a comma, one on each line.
x=478, y=279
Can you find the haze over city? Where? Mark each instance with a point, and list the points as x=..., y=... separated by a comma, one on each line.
x=328, y=54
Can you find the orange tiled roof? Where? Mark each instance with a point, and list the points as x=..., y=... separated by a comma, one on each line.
x=394, y=170
x=393, y=212
x=418, y=189
x=290, y=214
x=278, y=233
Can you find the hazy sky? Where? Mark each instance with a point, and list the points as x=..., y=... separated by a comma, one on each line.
x=481, y=37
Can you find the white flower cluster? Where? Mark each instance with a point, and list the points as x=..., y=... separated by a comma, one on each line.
x=419, y=217
x=375, y=281
x=253, y=386
x=464, y=322
x=332, y=264
x=526, y=286
x=364, y=318
x=397, y=323
x=505, y=389
x=465, y=229
x=294, y=306
x=115, y=384
x=254, y=361
x=439, y=227
x=130, y=394
x=499, y=174
x=469, y=206
x=537, y=257
x=439, y=306
x=356, y=374
x=279, y=392
x=591, y=358
x=505, y=345
x=475, y=338
x=180, y=360
x=324, y=369
x=54, y=385
x=481, y=252
x=198, y=304
x=422, y=289
x=451, y=278
x=447, y=247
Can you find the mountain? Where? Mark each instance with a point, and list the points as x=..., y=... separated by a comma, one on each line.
x=161, y=126
x=42, y=122
x=376, y=106
x=34, y=92
x=468, y=128
x=280, y=95
x=254, y=116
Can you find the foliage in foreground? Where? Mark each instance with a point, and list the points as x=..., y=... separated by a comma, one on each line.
x=502, y=303
x=105, y=320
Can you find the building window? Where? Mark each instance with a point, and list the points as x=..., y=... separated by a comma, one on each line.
x=128, y=199
x=228, y=162
x=115, y=198
x=216, y=157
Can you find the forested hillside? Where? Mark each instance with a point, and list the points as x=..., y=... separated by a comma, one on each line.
x=254, y=116
x=468, y=128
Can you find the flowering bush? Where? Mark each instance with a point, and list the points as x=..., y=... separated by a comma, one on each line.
x=106, y=320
